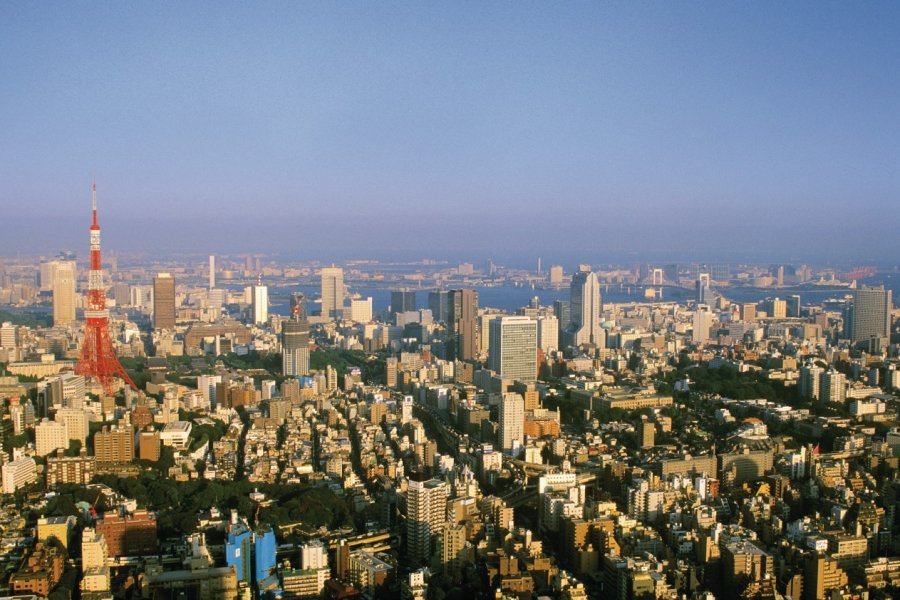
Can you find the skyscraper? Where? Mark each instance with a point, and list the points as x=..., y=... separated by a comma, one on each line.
x=403, y=301
x=512, y=423
x=164, y=301
x=360, y=310
x=295, y=339
x=556, y=274
x=438, y=302
x=832, y=387
x=705, y=295
x=426, y=513
x=513, y=348
x=212, y=271
x=332, y=292
x=585, y=307
x=548, y=333
x=63, y=285
x=702, y=325
x=462, y=321
x=808, y=383
x=869, y=315
x=260, y=304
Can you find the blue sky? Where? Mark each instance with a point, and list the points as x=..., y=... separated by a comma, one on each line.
x=575, y=130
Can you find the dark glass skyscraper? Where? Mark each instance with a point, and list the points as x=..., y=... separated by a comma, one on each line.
x=437, y=303
x=463, y=325
x=402, y=301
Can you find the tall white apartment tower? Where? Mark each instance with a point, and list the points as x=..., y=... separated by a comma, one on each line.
x=332, y=292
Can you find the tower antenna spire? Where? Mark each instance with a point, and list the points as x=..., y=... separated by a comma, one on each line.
x=98, y=357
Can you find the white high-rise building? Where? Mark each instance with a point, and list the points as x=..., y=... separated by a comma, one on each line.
x=513, y=348
x=212, y=271
x=63, y=285
x=406, y=410
x=645, y=504
x=586, y=308
x=76, y=422
x=313, y=555
x=332, y=292
x=94, y=556
x=18, y=473
x=833, y=387
x=512, y=423
x=808, y=383
x=426, y=513
x=50, y=436
x=8, y=337
x=206, y=385
x=703, y=320
x=260, y=304
x=548, y=333
x=361, y=310
x=67, y=390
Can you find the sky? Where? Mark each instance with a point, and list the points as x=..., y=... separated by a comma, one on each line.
x=575, y=131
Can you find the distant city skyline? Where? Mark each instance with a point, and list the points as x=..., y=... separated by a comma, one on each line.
x=593, y=132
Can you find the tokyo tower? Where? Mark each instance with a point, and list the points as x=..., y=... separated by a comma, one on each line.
x=98, y=359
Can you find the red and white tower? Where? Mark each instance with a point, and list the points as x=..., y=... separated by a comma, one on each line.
x=98, y=359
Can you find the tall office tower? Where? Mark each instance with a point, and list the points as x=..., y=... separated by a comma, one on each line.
x=98, y=358
x=164, y=301
x=704, y=294
x=426, y=513
x=703, y=319
x=360, y=310
x=556, y=274
x=548, y=333
x=646, y=433
x=49, y=436
x=777, y=308
x=808, y=382
x=46, y=275
x=869, y=315
x=585, y=306
x=206, y=385
x=671, y=273
x=832, y=387
x=212, y=271
x=511, y=432
x=793, y=305
x=63, y=285
x=562, y=309
x=76, y=421
x=462, y=321
x=260, y=305
x=748, y=312
x=513, y=348
x=94, y=557
x=295, y=339
x=779, y=276
x=438, y=301
x=332, y=292
x=403, y=301
x=9, y=336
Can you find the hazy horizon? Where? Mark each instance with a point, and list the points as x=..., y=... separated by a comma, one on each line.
x=576, y=132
